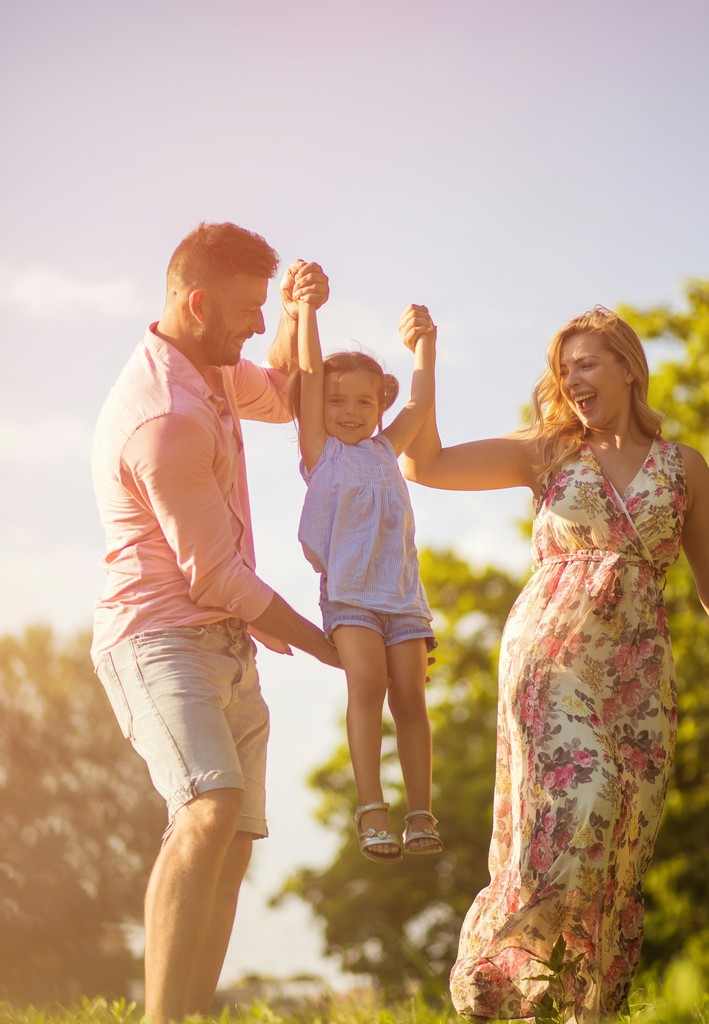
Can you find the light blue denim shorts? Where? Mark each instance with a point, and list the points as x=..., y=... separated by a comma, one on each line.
x=394, y=628
x=189, y=700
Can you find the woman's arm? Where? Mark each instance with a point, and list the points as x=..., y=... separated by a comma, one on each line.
x=695, y=535
x=491, y=464
x=311, y=429
x=476, y=466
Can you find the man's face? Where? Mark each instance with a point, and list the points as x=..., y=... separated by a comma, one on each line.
x=232, y=314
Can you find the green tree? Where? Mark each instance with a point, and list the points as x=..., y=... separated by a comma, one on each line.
x=677, y=892
x=79, y=825
x=400, y=924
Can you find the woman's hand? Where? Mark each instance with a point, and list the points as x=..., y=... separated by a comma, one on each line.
x=416, y=321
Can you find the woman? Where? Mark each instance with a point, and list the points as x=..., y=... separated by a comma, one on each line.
x=587, y=706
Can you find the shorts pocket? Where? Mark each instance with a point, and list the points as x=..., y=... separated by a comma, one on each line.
x=106, y=671
x=169, y=633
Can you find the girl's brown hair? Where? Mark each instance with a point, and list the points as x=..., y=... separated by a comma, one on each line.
x=553, y=422
x=345, y=362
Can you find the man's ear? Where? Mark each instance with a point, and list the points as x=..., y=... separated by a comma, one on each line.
x=195, y=304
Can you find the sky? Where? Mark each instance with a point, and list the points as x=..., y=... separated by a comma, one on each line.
x=509, y=164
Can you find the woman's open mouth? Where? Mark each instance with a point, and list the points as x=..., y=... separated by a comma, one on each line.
x=584, y=401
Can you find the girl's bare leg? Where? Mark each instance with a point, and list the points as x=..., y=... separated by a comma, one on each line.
x=364, y=660
x=408, y=665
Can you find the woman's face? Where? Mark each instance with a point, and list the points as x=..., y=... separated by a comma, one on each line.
x=595, y=382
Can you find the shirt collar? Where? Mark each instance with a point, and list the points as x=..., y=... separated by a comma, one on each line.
x=168, y=354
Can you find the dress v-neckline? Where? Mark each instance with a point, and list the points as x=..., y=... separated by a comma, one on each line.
x=606, y=476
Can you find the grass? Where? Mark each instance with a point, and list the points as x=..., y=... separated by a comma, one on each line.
x=680, y=996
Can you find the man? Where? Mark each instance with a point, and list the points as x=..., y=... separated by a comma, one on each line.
x=171, y=644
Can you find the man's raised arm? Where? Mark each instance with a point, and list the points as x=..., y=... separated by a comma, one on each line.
x=307, y=279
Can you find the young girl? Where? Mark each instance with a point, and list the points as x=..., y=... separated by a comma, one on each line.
x=357, y=531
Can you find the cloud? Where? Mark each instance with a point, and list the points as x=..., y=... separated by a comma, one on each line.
x=41, y=291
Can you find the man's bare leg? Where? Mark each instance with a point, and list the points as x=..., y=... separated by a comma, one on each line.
x=211, y=957
x=180, y=901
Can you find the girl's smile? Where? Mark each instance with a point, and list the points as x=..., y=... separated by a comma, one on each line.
x=352, y=405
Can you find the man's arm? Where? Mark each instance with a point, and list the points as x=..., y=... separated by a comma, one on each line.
x=280, y=620
x=283, y=353
x=167, y=464
x=313, y=284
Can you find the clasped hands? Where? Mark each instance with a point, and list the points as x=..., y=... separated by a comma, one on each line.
x=304, y=282
x=415, y=322
x=307, y=282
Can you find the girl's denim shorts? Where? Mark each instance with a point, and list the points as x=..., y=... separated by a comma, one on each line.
x=189, y=700
x=394, y=628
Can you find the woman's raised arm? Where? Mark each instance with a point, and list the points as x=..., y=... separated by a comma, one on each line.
x=490, y=464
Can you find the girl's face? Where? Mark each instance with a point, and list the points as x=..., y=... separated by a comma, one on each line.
x=352, y=408
x=595, y=382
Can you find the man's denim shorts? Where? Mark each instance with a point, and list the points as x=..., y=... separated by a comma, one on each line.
x=394, y=628
x=189, y=700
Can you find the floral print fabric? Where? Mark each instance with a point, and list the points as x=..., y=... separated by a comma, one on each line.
x=586, y=726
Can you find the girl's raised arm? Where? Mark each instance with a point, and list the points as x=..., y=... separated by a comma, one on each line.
x=311, y=429
x=407, y=423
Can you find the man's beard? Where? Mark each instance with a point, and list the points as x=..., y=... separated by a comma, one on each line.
x=215, y=345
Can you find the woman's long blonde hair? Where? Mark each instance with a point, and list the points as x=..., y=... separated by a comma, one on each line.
x=553, y=422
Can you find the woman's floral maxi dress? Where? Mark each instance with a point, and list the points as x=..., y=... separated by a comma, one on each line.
x=586, y=726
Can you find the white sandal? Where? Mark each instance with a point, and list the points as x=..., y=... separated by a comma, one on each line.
x=425, y=833
x=370, y=839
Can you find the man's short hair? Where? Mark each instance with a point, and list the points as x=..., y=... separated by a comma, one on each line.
x=213, y=252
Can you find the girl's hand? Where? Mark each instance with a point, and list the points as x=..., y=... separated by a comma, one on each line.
x=311, y=285
x=414, y=323
x=305, y=282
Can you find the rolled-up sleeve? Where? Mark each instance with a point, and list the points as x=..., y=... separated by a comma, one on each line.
x=168, y=465
x=261, y=392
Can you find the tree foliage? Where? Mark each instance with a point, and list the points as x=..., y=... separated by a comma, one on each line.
x=402, y=923
x=677, y=892
x=79, y=825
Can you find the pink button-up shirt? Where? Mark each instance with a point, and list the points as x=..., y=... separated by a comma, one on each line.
x=170, y=480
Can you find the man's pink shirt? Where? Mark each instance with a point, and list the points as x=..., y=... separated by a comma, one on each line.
x=170, y=479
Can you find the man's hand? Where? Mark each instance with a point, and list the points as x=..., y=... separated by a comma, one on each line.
x=281, y=621
x=304, y=282
x=415, y=321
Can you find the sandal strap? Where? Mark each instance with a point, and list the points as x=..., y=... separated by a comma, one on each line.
x=363, y=808
x=421, y=814
x=372, y=838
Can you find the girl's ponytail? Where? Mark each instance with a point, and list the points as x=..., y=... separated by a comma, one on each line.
x=391, y=389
